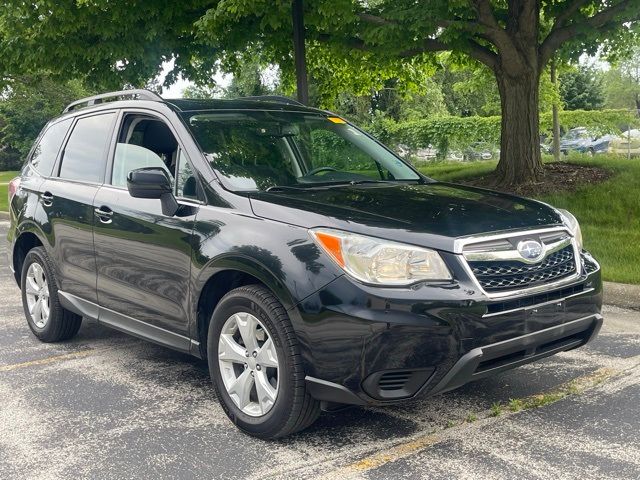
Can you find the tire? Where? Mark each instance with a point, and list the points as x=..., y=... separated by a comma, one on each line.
x=293, y=409
x=60, y=324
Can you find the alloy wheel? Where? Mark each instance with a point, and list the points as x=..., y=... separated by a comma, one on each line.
x=37, y=293
x=248, y=364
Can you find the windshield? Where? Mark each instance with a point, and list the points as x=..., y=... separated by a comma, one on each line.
x=258, y=150
x=576, y=134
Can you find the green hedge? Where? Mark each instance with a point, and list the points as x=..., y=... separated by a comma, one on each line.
x=446, y=133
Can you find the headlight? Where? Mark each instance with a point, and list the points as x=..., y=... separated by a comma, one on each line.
x=572, y=224
x=380, y=262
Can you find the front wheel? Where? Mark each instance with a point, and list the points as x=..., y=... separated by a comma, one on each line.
x=255, y=365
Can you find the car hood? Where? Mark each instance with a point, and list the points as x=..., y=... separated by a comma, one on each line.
x=430, y=214
x=574, y=143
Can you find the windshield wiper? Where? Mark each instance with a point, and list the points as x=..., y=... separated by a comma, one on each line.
x=346, y=183
x=276, y=188
x=363, y=182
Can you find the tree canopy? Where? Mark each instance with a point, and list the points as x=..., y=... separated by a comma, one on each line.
x=28, y=103
x=125, y=42
x=352, y=45
x=622, y=83
x=582, y=88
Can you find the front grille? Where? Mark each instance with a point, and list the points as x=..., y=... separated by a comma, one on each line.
x=502, y=275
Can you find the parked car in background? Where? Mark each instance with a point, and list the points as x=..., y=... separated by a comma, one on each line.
x=419, y=156
x=479, y=151
x=577, y=139
x=601, y=145
x=475, y=151
x=626, y=144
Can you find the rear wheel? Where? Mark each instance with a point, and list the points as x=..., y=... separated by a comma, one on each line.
x=45, y=316
x=255, y=365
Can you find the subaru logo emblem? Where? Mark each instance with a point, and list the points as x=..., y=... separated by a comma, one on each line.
x=531, y=250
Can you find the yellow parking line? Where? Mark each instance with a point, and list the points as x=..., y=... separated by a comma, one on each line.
x=403, y=450
x=46, y=361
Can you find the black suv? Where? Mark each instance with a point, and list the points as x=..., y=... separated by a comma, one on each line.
x=308, y=263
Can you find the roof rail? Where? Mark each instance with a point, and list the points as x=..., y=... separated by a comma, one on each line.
x=273, y=98
x=139, y=94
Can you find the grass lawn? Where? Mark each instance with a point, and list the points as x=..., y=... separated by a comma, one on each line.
x=609, y=213
x=5, y=177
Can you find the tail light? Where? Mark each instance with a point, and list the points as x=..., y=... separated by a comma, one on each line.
x=13, y=188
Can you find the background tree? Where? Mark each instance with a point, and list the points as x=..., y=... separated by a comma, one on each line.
x=622, y=83
x=251, y=80
x=28, y=103
x=468, y=90
x=515, y=39
x=581, y=88
x=353, y=45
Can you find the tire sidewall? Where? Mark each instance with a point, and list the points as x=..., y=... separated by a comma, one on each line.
x=275, y=419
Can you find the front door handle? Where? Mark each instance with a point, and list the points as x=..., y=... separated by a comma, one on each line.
x=104, y=213
x=47, y=199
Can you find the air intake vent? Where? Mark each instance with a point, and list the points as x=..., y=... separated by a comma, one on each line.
x=396, y=384
x=394, y=380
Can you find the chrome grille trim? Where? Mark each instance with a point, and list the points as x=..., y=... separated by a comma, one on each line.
x=468, y=246
x=512, y=254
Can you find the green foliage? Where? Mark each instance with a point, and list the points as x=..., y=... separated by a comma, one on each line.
x=609, y=213
x=581, y=88
x=5, y=177
x=249, y=80
x=468, y=90
x=622, y=83
x=599, y=122
x=28, y=103
x=352, y=45
x=446, y=133
x=105, y=44
x=198, y=92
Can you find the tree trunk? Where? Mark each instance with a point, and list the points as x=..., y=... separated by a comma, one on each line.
x=520, y=159
x=556, y=120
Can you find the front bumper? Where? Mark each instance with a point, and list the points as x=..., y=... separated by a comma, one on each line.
x=371, y=346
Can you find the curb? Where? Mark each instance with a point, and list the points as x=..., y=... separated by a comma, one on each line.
x=4, y=216
x=622, y=295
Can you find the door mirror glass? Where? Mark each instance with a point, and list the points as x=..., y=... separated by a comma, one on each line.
x=153, y=182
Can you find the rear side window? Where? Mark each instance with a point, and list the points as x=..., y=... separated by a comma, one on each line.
x=46, y=152
x=85, y=153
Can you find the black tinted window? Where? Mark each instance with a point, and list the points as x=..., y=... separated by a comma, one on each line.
x=45, y=153
x=84, y=156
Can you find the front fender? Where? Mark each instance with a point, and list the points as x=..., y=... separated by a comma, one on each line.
x=245, y=264
x=281, y=256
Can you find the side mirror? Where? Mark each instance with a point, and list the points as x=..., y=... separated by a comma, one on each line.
x=153, y=182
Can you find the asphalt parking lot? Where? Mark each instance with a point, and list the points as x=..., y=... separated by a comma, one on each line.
x=107, y=405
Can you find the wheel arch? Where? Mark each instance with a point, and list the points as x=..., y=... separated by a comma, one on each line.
x=221, y=276
x=26, y=239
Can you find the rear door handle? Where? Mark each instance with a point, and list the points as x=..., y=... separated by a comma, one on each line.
x=47, y=199
x=104, y=213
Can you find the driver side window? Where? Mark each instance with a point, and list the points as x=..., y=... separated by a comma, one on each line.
x=146, y=141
